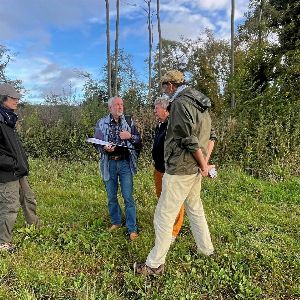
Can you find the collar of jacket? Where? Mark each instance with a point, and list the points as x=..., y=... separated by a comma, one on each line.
x=180, y=89
x=113, y=120
x=9, y=117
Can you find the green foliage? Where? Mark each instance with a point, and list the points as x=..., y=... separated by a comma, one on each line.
x=174, y=56
x=204, y=61
x=6, y=56
x=60, y=131
x=208, y=66
x=262, y=133
x=254, y=226
x=127, y=76
x=285, y=20
x=265, y=133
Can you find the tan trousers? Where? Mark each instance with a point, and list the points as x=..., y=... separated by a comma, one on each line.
x=12, y=195
x=178, y=190
x=158, y=187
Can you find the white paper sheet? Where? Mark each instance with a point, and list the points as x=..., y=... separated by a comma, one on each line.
x=98, y=142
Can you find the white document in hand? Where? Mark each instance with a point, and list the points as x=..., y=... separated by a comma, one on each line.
x=98, y=142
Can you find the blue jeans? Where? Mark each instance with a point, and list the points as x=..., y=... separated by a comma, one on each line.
x=120, y=170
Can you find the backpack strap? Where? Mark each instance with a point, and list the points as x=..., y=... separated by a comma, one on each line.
x=128, y=119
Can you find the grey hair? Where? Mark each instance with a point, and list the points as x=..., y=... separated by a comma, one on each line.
x=2, y=99
x=111, y=100
x=163, y=101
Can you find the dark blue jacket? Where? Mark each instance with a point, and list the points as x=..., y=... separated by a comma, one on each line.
x=158, y=146
x=13, y=160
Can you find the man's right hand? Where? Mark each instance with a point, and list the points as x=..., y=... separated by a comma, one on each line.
x=109, y=148
x=204, y=172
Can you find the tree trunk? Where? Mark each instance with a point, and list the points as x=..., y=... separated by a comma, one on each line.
x=117, y=47
x=108, y=50
x=260, y=23
x=159, y=43
x=232, y=51
x=150, y=49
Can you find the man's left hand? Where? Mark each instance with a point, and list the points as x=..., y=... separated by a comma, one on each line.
x=204, y=171
x=125, y=135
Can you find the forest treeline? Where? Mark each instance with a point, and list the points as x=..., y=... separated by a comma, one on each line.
x=261, y=132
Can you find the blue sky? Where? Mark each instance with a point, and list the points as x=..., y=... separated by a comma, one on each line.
x=54, y=39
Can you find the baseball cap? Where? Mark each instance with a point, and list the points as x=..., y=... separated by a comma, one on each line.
x=9, y=90
x=173, y=76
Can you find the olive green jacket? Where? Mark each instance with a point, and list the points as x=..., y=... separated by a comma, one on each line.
x=188, y=130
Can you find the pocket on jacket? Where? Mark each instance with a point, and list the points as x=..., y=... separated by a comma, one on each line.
x=176, y=155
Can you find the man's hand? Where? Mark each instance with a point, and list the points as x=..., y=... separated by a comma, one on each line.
x=204, y=171
x=125, y=135
x=109, y=148
x=210, y=167
x=202, y=164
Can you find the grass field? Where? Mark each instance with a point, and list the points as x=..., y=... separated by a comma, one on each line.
x=255, y=227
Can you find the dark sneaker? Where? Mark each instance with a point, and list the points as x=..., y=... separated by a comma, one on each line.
x=7, y=247
x=35, y=226
x=145, y=270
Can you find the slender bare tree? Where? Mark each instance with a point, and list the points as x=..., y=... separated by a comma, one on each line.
x=149, y=23
x=159, y=40
x=117, y=48
x=232, y=50
x=108, y=50
x=260, y=25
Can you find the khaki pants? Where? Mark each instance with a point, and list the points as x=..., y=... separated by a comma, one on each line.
x=158, y=187
x=178, y=190
x=12, y=195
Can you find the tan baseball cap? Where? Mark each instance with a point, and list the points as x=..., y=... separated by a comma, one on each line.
x=173, y=76
x=9, y=90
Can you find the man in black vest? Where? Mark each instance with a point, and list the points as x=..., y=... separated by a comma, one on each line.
x=14, y=187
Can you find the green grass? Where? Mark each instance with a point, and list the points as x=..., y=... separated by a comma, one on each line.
x=254, y=226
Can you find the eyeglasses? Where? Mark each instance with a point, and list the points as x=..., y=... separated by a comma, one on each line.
x=13, y=98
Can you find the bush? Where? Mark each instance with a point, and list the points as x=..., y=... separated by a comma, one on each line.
x=60, y=131
x=262, y=134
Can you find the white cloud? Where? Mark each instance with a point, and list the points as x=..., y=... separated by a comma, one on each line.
x=211, y=4
x=174, y=8
x=42, y=77
x=31, y=14
x=35, y=16
x=223, y=29
x=190, y=18
x=28, y=28
x=94, y=20
x=189, y=26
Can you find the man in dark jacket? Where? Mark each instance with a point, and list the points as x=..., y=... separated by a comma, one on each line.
x=186, y=144
x=14, y=187
x=161, y=113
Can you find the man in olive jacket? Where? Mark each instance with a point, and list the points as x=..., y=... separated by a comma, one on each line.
x=14, y=187
x=185, y=153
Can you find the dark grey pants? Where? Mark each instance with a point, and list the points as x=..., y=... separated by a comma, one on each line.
x=12, y=195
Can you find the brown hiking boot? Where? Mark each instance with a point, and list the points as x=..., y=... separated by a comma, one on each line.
x=113, y=227
x=133, y=236
x=145, y=270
